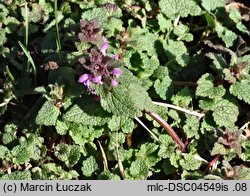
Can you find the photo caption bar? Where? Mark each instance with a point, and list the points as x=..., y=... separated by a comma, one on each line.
x=144, y=187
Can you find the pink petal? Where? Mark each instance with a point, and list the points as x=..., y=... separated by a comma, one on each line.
x=97, y=80
x=114, y=83
x=104, y=47
x=83, y=78
x=116, y=56
x=117, y=72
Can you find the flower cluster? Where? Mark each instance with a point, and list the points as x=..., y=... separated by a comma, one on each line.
x=101, y=67
x=90, y=31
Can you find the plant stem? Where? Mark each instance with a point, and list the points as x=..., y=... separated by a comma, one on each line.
x=194, y=113
x=58, y=42
x=169, y=130
x=9, y=74
x=144, y=126
x=105, y=161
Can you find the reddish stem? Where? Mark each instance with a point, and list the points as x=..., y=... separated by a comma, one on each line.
x=169, y=130
x=212, y=162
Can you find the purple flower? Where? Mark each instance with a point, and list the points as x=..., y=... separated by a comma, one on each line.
x=116, y=56
x=117, y=72
x=84, y=78
x=114, y=83
x=104, y=47
x=97, y=80
x=90, y=31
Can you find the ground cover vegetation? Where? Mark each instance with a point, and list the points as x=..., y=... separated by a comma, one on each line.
x=130, y=89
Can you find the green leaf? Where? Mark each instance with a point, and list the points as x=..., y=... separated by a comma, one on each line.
x=131, y=105
x=182, y=31
x=206, y=88
x=61, y=127
x=235, y=15
x=87, y=111
x=211, y=5
x=225, y=113
x=148, y=154
x=48, y=114
x=52, y=171
x=30, y=148
x=190, y=162
x=226, y=35
x=174, y=8
x=9, y=133
x=121, y=122
x=165, y=24
x=82, y=134
x=114, y=139
x=149, y=64
x=3, y=151
x=107, y=175
x=3, y=38
x=103, y=15
x=218, y=149
x=144, y=42
x=69, y=154
x=89, y=166
x=241, y=89
x=139, y=170
x=17, y=175
x=183, y=98
x=162, y=87
x=191, y=128
x=21, y=154
x=177, y=51
x=218, y=61
x=167, y=146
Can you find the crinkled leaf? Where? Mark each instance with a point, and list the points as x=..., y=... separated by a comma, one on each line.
x=144, y=42
x=225, y=34
x=107, y=175
x=211, y=5
x=87, y=111
x=206, y=88
x=183, y=8
x=177, y=51
x=17, y=175
x=139, y=170
x=61, y=127
x=29, y=149
x=191, y=128
x=190, y=162
x=9, y=133
x=183, y=98
x=68, y=154
x=52, y=171
x=182, y=31
x=114, y=139
x=3, y=151
x=102, y=14
x=162, y=87
x=89, y=166
x=48, y=114
x=167, y=147
x=225, y=113
x=121, y=122
x=148, y=153
x=165, y=24
x=82, y=134
x=131, y=105
x=235, y=15
x=241, y=89
x=218, y=149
